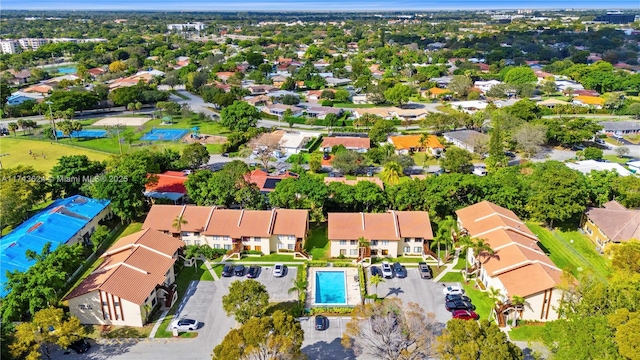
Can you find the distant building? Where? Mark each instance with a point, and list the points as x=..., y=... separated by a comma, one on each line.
x=10, y=46
x=183, y=27
x=616, y=17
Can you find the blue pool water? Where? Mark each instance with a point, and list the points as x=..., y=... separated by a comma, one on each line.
x=65, y=70
x=87, y=133
x=330, y=288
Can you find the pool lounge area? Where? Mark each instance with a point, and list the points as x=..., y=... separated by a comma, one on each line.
x=333, y=287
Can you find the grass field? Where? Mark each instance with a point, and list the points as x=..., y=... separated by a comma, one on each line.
x=480, y=300
x=452, y=276
x=318, y=242
x=15, y=151
x=616, y=159
x=572, y=251
x=527, y=333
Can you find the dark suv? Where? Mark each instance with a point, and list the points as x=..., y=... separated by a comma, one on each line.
x=238, y=270
x=253, y=271
x=227, y=271
x=80, y=346
x=400, y=270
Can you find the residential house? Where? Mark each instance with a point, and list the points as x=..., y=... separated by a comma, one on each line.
x=19, y=77
x=485, y=86
x=611, y=224
x=267, y=182
x=267, y=231
x=565, y=85
x=133, y=80
x=580, y=92
x=443, y=81
x=315, y=95
x=551, y=103
x=42, y=89
x=333, y=82
x=406, y=144
x=620, y=128
x=136, y=275
x=518, y=267
x=585, y=100
x=360, y=99
x=260, y=100
x=224, y=75
x=587, y=166
x=18, y=98
x=434, y=92
x=469, y=140
x=169, y=186
x=279, y=80
x=358, y=144
x=504, y=103
x=294, y=143
x=321, y=112
x=469, y=106
x=64, y=222
x=390, y=234
x=341, y=179
x=279, y=110
x=95, y=72
x=261, y=89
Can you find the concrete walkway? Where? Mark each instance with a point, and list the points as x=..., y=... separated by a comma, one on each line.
x=207, y=263
x=157, y=325
x=449, y=267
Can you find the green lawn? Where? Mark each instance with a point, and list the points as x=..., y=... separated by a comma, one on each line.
x=452, y=276
x=274, y=258
x=15, y=151
x=460, y=264
x=616, y=159
x=419, y=159
x=573, y=251
x=527, y=333
x=318, y=242
x=353, y=106
x=480, y=300
x=183, y=280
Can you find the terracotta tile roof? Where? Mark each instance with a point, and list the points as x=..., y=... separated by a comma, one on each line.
x=344, y=180
x=438, y=91
x=266, y=182
x=347, y=141
x=133, y=266
x=43, y=89
x=169, y=181
x=589, y=100
x=393, y=225
x=615, y=221
x=538, y=278
x=405, y=142
x=210, y=220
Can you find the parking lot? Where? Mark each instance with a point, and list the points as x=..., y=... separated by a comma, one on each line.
x=413, y=288
x=325, y=345
x=278, y=287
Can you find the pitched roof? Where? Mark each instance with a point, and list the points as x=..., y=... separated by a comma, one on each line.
x=344, y=180
x=169, y=181
x=403, y=142
x=347, y=141
x=438, y=91
x=266, y=182
x=470, y=137
x=210, y=220
x=615, y=221
x=133, y=266
x=589, y=100
x=392, y=225
x=538, y=278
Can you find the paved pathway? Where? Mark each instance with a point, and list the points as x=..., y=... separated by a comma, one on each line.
x=449, y=267
x=208, y=265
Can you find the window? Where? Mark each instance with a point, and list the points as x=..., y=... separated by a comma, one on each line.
x=196, y=233
x=374, y=242
x=216, y=246
x=84, y=307
x=153, y=302
x=343, y=251
x=343, y=242
x=406, y=249
x=217, y=238
x=116, y=303
x=104, y=303
x=419, y=239
x=385, y=242
x=187, y=242
x=589, y=231
x=385, y=252
x=106, y=316
x=416, y=249
x=290, y=246
x=196, y=242
x=280, y=246
x=93, y=229
x=374, y=252
x=407, y=239
x=185, y=233
x=257, y=239
x=353, y=242
x=353, y=252
x=227, y=247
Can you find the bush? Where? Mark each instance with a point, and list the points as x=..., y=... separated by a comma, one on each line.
x=330, y=310
x=343, y=264
x=326, y=103
x=317, y=263
x=254, y=252
x=363, y=285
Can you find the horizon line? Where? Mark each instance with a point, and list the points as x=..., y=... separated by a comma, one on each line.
x=418, y=10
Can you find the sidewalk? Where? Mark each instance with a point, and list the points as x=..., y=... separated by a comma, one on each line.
x=449, y=267
x=207, y=263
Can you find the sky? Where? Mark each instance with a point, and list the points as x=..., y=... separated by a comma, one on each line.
x=311, y=5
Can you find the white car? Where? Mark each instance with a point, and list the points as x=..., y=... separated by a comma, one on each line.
x=278, y=270
x=455, y=289
x=480, y=170
x=185, y=324
x=387, y=270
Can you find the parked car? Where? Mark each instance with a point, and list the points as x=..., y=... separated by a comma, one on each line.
x=453, y=297
x=225, y=154
x=227, y=271
x=387, y=271
x=459, y=305
x=465, y=315
x=322, y=323
x=425, y=271
x=185, y=324
x=253, y=271
x=400, y=270
x=376, y=271
x=509, y=154
x=326, y=156
x=453, y=289
x=479, y=170
x=80, y=346
x=278, y=270
x=238, y=270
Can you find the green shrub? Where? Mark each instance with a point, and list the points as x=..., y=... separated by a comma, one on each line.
x=343, y=264
x=253, y=252
x=363, y=285
x=330, y=310
x=317, y=263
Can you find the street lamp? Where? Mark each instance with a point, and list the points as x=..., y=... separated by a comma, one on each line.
x=53, y=122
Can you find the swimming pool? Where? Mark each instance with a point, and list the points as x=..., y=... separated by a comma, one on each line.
x=64, y=70
x=331, y=288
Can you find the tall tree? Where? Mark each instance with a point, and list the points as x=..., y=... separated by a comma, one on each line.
x=475, y=340
x=276, y=337
x=380, y=130
x=520, y=75
x=391, y=173
x=195, y=155
x=21, y=188
x=49, y=327
x=530, y=138
x=457, y=160
x=348, y=162
x=71, y=172
x=399, y=94
x=389, y=330
x=239, y=116
x=246, y=299
x=460, y=85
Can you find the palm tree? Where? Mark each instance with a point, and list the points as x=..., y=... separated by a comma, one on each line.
x=496, y=299
x=13, y=127
x=518, y=303
x=375, y=280
x=465, y=243
x=299, y=285
x=391, y=173
x=177, y=224
x=362, y=244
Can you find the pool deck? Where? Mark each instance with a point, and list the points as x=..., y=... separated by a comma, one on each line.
x=353, y=287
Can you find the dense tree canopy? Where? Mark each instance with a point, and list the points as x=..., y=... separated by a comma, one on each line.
x=482, y=340
x=246, y=299
x=71, y=172
x=239, y=116
x=21, y=188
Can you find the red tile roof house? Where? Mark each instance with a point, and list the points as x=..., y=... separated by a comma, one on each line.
x=265, y=182
x=136, y=276
x=277, y=230
x=359, y=144
x=390, y=234
x=518, y=267
x=169, y=185
x=611, y=224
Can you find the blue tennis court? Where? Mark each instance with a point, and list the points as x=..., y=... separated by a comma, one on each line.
x=86, y=133
x=164, y=134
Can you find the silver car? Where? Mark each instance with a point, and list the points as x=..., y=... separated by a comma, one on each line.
x=278, y=270
x=387, y=270
x=185, y=324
